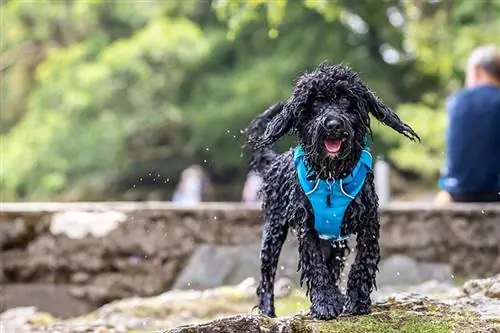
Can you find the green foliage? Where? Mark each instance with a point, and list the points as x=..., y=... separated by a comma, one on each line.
x=430, y=39
x=99, y=93
x=91, y=99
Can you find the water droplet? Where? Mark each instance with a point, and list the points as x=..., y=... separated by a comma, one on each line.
x=140, y=179
x=482, y=212
x=282, y=268
x=327, y=221
x=204, y=161
x=189, y=284
x=452, y=276
x=215, y=217
x=234, y=136
x=133, y=186
x=207, y=149
x=145, y=257
x=343, y=274
x=149, y=174
x=228, y=131
x=397, y=273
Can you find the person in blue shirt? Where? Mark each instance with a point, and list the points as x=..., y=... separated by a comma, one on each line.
x=472, y=167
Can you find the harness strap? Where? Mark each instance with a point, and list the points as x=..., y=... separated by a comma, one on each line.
x=330, y=198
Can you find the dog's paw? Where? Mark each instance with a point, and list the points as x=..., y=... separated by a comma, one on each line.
x=270, y=314
x=356, y=307
x=263, y=312
x=328, y=307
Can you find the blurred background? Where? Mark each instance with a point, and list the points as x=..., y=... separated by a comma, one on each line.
x=112, y=100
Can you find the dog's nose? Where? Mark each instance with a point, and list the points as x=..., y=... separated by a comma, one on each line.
x=332, y=124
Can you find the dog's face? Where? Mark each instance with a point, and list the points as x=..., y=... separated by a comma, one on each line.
x=332, y=131
x=329, y=110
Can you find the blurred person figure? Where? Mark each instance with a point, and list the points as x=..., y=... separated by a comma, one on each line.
x=252, y=187
x=194, y=187
x=472, y=167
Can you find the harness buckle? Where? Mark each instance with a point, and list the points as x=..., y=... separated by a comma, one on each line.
x=335, y=242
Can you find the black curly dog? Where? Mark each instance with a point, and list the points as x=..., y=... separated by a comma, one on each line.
x=329, y=112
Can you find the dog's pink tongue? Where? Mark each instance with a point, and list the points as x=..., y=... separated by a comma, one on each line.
x=333, y=146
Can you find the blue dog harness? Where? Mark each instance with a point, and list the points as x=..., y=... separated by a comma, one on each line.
x=330, y=198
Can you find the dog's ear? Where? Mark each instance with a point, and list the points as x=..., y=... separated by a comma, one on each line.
x=388, y=117
x=279, y=120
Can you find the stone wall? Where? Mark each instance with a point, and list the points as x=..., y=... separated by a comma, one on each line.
x=98, y=252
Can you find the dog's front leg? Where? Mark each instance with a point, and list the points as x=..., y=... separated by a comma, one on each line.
x=326, y=300
x=273, y=236
x=362, y=277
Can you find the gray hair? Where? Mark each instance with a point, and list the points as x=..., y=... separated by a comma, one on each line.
x=488, y=58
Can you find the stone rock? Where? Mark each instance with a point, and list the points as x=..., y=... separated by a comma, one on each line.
x=238, y=324
x=489, y=287
x=2, y=274
x=157, y=241
x=282, y=287
x=17, y=231
x=53, y=298
x=16, y=320
x=76, y=224
x=228, y=309
x=400, y=269
x=435, y=272
x=132, y=259
x=107, y=287
x=213, y=266
x=494, y=290
x=424, y=315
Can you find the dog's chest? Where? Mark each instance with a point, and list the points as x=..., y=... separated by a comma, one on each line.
x=331, y=198
x=329, y=203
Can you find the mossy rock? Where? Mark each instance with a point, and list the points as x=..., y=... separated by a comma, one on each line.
x=394, y=322
x=228, y=309
x=415, y=316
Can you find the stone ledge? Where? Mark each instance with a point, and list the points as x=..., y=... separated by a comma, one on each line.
x=51, y=207
x=145, y=251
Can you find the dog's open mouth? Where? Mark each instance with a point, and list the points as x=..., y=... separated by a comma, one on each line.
x=333, y=146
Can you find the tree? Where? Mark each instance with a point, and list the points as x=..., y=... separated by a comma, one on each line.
x=424, y=43
x=96, y=94
x=99, y=95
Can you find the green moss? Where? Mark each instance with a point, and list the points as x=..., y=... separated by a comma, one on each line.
x=42, y=319
x=383, y=324
x=393, y=317
x=294, y=303
x=390, y=322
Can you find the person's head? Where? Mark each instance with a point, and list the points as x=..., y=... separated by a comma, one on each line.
x=483, y=66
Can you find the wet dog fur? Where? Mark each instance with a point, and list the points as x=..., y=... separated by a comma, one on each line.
x=331, y=103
